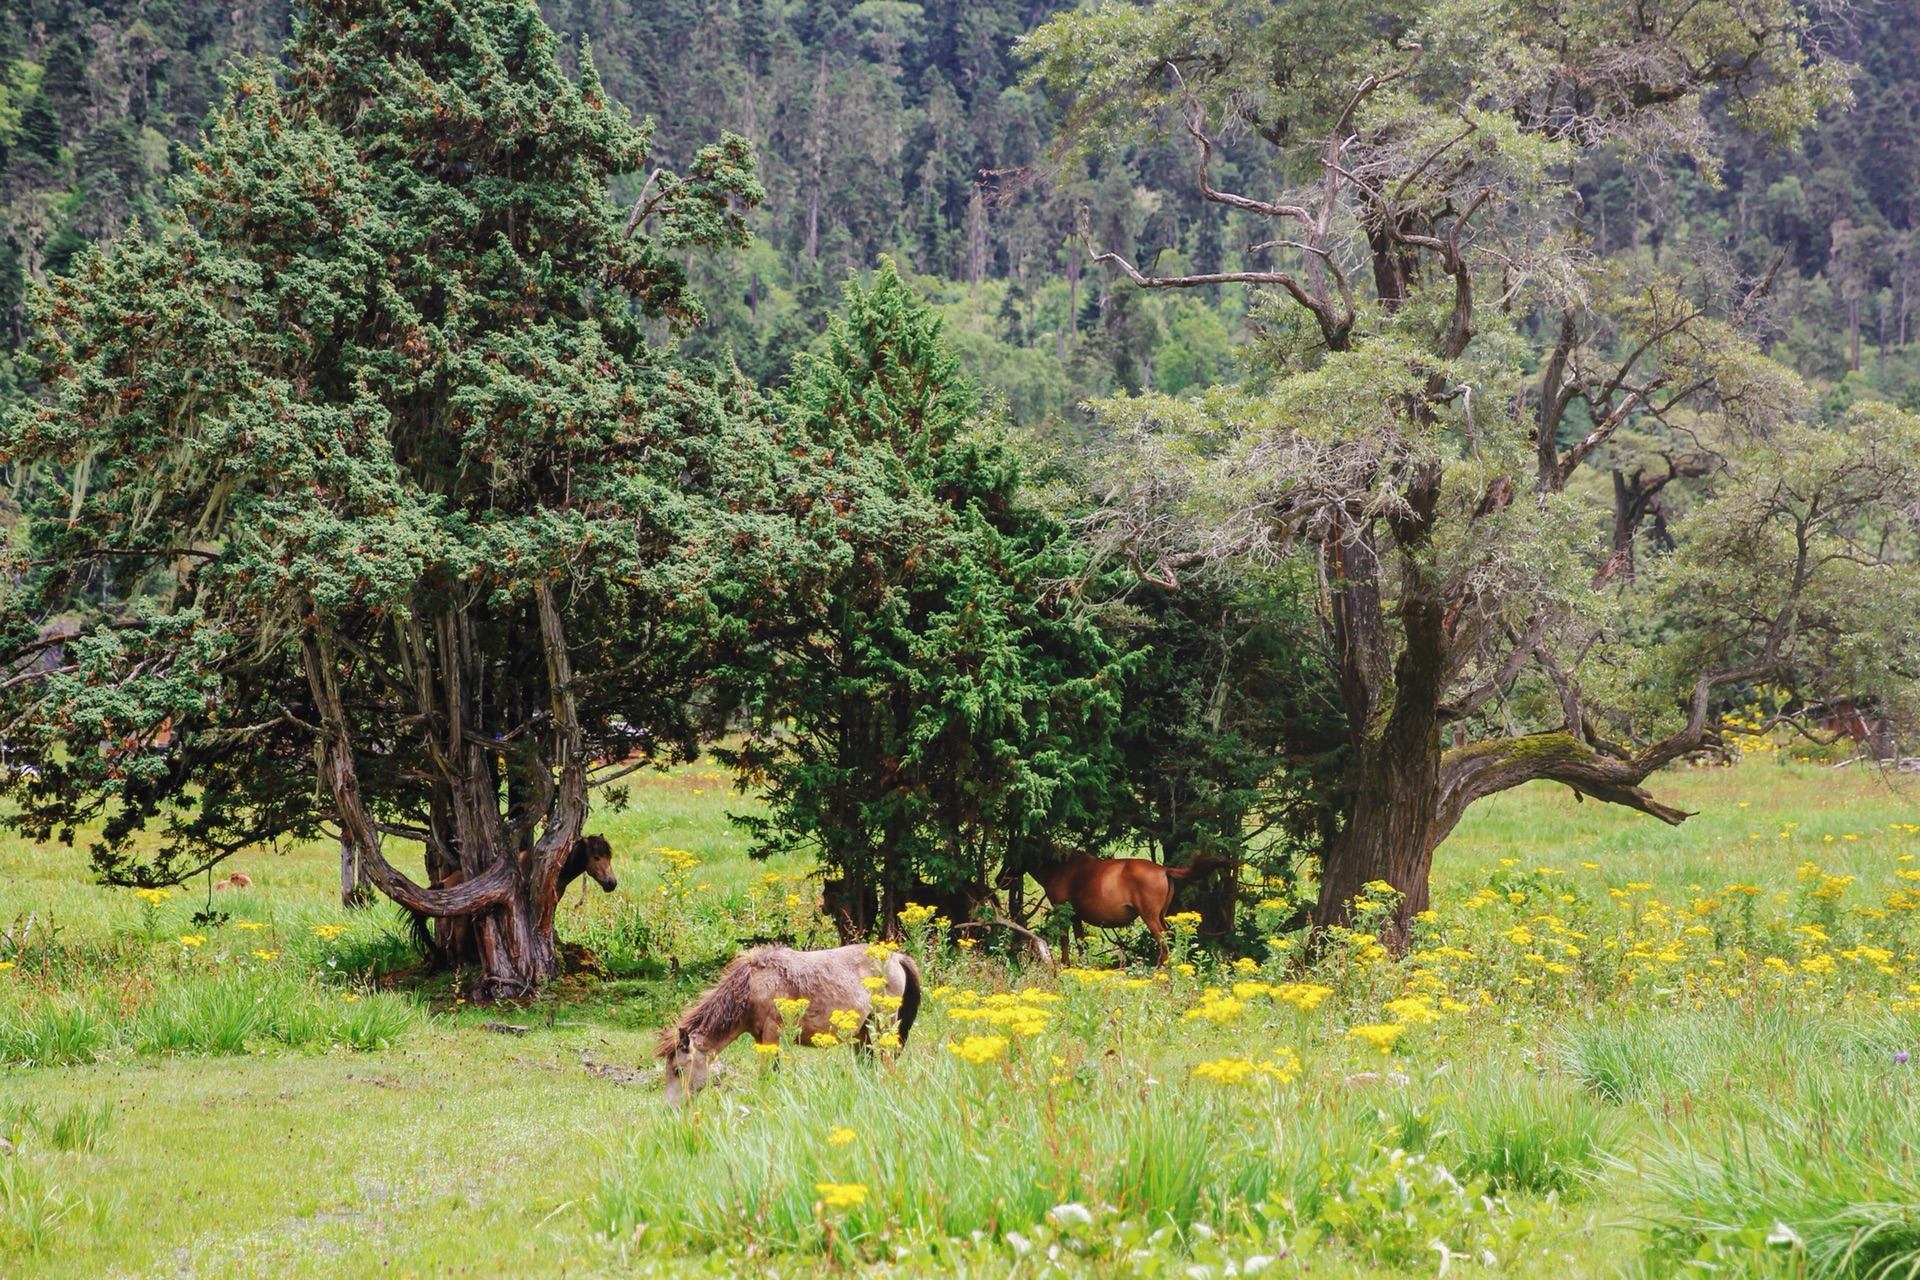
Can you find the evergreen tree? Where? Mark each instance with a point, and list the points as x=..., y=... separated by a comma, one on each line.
x=919, y=706
x=361, y=500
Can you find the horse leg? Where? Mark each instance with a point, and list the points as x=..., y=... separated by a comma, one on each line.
x=1158, y=928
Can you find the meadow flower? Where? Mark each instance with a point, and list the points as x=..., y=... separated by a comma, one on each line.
x=1184, y=970
x=979, y=1050
x=1304, y=996
x=1380, y=1035
x=841, y=1195
x=1184, y=920
x=328, y=932
x=873, y=983
x=248, y=924
x=193, y=939
x=266, y=955
x=791, y=1010
x=840, y=1137
x=845, y=1021
x=880, y=950
x=1411, y=1012
x=5, y=965
x=767, y=1050
x=1216, y=1008
x=1246, y=964
x=1224, y=1070
x=825, y=1040
x=890, y=1040
x=913, y=915
x=1284, y=1066
x=886, y=1004
x=153, y=897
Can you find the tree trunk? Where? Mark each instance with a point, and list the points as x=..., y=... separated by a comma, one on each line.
x=1390, y=835
x=485, y=873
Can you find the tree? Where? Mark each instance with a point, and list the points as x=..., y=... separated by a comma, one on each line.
x=360, y=500
x=1426, y=256
x=919, y=705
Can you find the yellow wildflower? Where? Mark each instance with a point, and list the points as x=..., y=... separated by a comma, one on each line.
x=841, y=1195
x=979, y=1050
x=840, y=1137
x=1381, y=1035
x=1224, y=1070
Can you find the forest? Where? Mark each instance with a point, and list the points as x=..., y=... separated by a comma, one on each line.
x=1238, y=477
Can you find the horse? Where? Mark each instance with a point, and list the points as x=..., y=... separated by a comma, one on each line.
x=742, y=1003
x=238, y=880
x=454, y=943
x=1110, y=893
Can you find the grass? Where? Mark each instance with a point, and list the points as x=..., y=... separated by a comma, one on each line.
x=283, y=1098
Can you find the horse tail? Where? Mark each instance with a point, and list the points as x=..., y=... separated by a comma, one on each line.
x=909, y=997
x=420, y=931
x=1200, y=866
x=721, y=1007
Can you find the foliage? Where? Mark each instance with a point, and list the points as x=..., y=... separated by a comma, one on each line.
x=920, y=703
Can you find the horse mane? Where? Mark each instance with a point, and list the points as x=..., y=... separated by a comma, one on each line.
x=720, y=1007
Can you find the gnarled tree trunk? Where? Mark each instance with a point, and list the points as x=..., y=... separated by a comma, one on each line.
x=503, y=887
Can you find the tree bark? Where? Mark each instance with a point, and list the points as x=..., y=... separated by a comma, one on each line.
x=1390, y=833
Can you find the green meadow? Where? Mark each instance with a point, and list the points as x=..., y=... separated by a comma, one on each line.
x=283, y=1093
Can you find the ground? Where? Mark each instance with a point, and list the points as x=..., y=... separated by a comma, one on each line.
x=1619, y=1045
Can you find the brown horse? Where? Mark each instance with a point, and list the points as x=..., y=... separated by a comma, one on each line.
x=743, y=1003
x=1110, y=893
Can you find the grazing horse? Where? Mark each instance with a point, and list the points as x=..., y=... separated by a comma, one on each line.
x=742, y=1003
x=452, y=942
x=1110, y=893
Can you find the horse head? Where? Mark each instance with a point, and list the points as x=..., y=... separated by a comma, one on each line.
x=686, y=1065
x=592, y=856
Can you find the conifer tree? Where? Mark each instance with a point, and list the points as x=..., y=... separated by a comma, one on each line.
x=919, y=706
x=361, y=500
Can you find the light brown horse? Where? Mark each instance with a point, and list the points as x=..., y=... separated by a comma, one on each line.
x=742, y=1003
x=1110, y=893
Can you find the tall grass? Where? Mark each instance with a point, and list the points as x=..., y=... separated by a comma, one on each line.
x=210, y=1013
x=31, y=1208
x=1526, y=1133
x=52, y=1035
x=1827, y=1181
x=946, y=1150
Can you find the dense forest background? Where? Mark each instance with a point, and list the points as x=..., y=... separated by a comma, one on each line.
x=899, y=128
